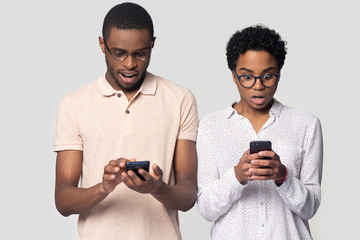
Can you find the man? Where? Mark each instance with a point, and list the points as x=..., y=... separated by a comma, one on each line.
x=126, y=115
x=273, y=193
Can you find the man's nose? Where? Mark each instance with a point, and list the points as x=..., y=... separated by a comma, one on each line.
x=129, y=62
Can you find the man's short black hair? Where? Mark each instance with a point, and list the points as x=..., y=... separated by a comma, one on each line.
x=255, y=38
x=127, y=16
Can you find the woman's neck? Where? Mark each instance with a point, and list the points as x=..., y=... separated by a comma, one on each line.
x=257, y=117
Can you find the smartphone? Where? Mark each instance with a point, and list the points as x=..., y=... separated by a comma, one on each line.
x=135, y=166
x=257, y=146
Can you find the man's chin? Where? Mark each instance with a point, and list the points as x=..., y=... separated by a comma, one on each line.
x=129, y=87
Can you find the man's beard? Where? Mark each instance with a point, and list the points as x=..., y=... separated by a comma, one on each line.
x=127, y=88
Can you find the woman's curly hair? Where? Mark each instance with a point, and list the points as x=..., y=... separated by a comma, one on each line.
x=255, y=38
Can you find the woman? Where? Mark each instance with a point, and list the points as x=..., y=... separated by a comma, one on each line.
x=270, y=194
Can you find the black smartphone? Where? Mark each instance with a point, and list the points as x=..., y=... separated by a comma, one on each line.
x=135, y=166
x=257, y=146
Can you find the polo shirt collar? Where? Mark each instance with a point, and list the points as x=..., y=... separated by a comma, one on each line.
x=148, y=87
x=275, y=110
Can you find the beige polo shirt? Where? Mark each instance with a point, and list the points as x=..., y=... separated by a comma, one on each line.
x=103, y=124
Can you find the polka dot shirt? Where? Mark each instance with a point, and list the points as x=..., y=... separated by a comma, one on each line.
x=259, y=209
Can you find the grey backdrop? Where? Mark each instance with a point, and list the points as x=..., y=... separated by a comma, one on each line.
x=50, y=48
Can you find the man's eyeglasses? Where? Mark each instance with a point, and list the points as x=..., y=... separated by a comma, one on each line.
x=248, y=81
x=120, y=55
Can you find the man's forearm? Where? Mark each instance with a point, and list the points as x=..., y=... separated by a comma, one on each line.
x=180, y=197
x=73, y=200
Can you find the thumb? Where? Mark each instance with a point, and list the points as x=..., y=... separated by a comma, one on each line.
x=157, y=170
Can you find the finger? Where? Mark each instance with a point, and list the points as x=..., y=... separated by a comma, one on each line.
x=135, y=178
x=261, y=171
x=258, y=163
x=111, y=169
x=244, y=157
x=121, y=162
x=245, y=161
x=157, y=170
x=270, y=154
x=108, y=177
x=125, y=177
x=261, y=174
x=147, y=176
x=253, y=156
x=262, y=178
x=249, y=166
x=251, y=172
x=271, y=172
x=248, y=174
x=124, y=161
x=113, y=163
x=110, y=172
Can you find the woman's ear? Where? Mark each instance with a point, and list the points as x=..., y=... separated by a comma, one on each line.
x=234, y=77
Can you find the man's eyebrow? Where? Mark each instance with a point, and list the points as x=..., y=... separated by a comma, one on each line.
x=123, y=50
x=250, y=71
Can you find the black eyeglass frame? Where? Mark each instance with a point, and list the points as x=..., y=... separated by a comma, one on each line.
x=127, y=54
x=259, y=77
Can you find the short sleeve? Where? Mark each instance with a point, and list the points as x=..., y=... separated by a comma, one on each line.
x=189, y=118
x=66, y=132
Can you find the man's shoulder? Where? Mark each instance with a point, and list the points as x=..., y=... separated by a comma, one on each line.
x=80, y=97
x=84, y=91
x=170, y=86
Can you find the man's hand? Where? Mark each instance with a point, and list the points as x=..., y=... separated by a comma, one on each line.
x=152, y=183
x=181, y=196
x=112, y=174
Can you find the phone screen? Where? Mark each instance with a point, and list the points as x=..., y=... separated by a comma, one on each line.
x=135, y=166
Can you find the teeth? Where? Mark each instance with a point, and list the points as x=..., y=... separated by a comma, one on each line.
x=127, y=75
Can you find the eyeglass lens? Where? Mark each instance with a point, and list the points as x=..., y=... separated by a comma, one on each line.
x=267, y=80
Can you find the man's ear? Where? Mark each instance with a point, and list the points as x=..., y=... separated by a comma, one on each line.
x=102, y=44
x=153, y=42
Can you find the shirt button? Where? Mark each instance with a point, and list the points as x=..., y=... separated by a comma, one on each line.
x=262, y=203
x=262, y=225
x=127, y=112
x=119, y=94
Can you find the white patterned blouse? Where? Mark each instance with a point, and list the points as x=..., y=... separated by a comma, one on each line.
x=259, y=209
